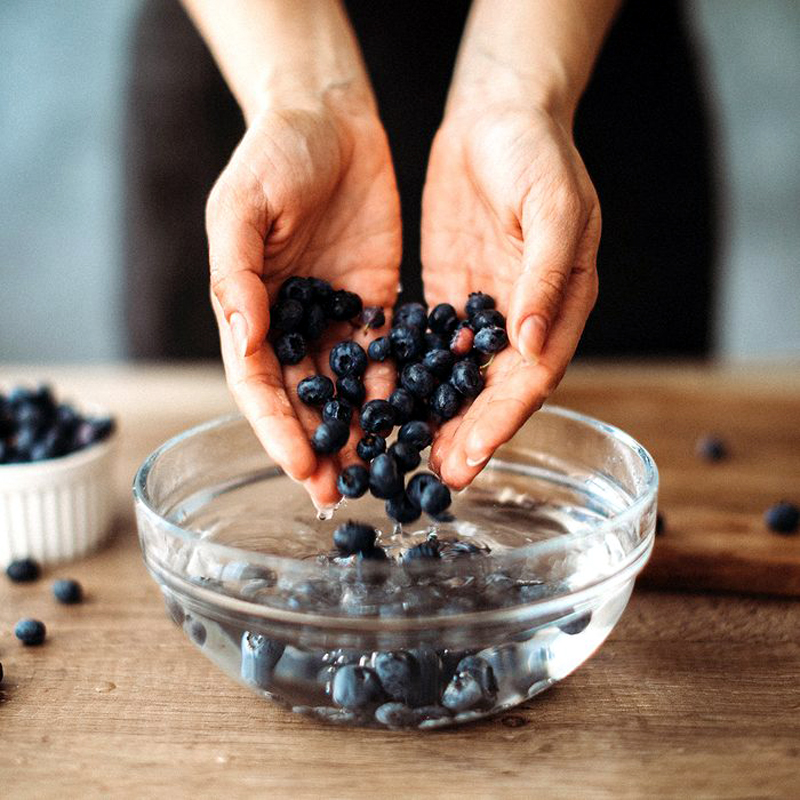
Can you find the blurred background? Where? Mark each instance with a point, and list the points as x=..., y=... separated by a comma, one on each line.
x=81, y=186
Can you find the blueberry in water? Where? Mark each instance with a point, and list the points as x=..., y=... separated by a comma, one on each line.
x=462, y=340
x=427, y=688
x=490, y=340
x=339, y=410
x=478, y=301
x=425, y=551
x=377, y=416
x=577, y=624
x=395, y=715
x=783, y=517
x=259, y=656
x=354, y=537
x=355, y=687
x=373, y=317
x=351, y=388
x=342, y=305
x=68, y=591
x=401, y=509
x=443, y=319
x=380, y=349
x=435, y=499
x=411, y=315
x=472, y=686
x=23, y=570
x=406, y=455
x=467, y=379
x=330, y=437
x=174, y=609
x=439, y=363
x=30, y=631
x=431, y=716
x=315, y=390
x=406, y=343
x=417, y=380
x=290, y=348
x=353, y=481
x=370, y=446
x=348, y=358
x=300, y=289
x=385, y=480
x=418, y=484
x=403, y=402
x=197, y=632
x=286, y=316
x=316, y=320
x=399, y=674
x=483, y=319
x=320, y=289
x=445, y=401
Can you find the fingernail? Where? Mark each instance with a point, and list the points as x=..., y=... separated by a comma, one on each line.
x=238, y=326
x=476, y=451
x=532, y=334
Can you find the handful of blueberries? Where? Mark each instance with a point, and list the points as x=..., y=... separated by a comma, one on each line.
x=34, y=427
x=439, y=360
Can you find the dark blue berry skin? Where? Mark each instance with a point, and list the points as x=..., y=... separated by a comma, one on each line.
x=380, y=349
x=661, y=524
x=396, y=715
x=401, y=509
x=296, y=288
x=68, y=591
x=403, y=402
x=342, y=305
x=339, y=410
x=290, y=348
x=462, y=340
x=399, y=674
x=352, y=389
x=377, y=416
x=354, y=537
x=259, y=657
x=353, y=481
x=315, y=390
x=330, y=437
x=197, y=632
x=321, y=289
x=373, y=317
x=316, y=320
x=711, y=448
x=370, y=447
x=490, y=339
x=485, y=318
x=406, y=455
x=445, y=401
x=435, y=498
x=23, y=570
x=439, y=363
x=576, y=625
x=478, y=301
x=286, y=316
x=443, y=319
x=424, y=551
x=418, y=484
x=355, y=687
x=783, y=518
x=467, y=379
x=417, y=380
x=348, y=358
x=417, y=433
x=411, y=315
x=385, y=480
x=30, y=631
x=407, y=343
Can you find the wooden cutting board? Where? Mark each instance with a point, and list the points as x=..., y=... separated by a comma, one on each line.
x=715, y=537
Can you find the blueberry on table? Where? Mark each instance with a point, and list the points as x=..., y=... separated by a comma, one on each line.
x=478, y=301
x=711, y=448
x=68, y=591
x=417, y=433
x=406, y=455
x=315, y=390
x=385, y=480
x=370, y=446
x=411, y=315
x=417, y=380
x=435, y=498
x=462, y=340
x=290, y=348
x=490, y=340
x=286, y=316
x=445, y=401
x=316, y=320
x=348, y=358
x=352, y=389
x=30, y=631
x=377, y=416
x=355, y=687
x=401, y=509
x=259, y=656
x=483, y=319
x=443, y=319
x=339, y=410
x=403, y=402
x=354, y=537
x=439, y=363
x=373, y=317
x=407, y=343
x=353, y=481
x=380, y=349
x=330, y=437
x=23, y=570
x=342, y=305
x=466, y=378
x=783, y=518
x=296, y=288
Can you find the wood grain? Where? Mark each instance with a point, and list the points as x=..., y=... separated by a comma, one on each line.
x=694, y=695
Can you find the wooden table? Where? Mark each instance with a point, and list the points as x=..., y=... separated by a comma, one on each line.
x=693, y=695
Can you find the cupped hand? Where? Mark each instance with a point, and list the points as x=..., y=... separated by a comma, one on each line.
x=309, y=193
x=509, y=210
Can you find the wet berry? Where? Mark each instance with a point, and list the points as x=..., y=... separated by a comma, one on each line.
x=435, y=498
x=439, y=363
x=417, y=380
x=406, y=342
x=467, y=379
x=418, y=484
x=443, y=319
x=445, y=401
x=315, y=390
x=403, y=402
x=370, y=446
x=286, y=316
x=377, y=416
x=337, y=409
x=417, y=433
x=351, y=388
x=330, y=437
x=490, y=339
x=353, y=481
x=406, y=455
x=290, y=348
x=315, y=322
x=355, y=687
x=320, y=289
x=354, y=537
x=385, y=480
x=411, y=315
x=401, y=509
x=348, y=358
x=478, y=301
x=342, y=305
x=300, y=289
x=373, y=317
x=485, y=318
x=380, y=349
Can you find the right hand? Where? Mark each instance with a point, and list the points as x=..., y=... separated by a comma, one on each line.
x=311, y=193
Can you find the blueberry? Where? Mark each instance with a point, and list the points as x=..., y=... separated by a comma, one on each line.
x=473, y=685
x=339, y=410
x=443, y=319
x=425, y=551
x=290, y=348
x=315, y=322
x=355, y=687
x=373, y=317
x=315, y=390
x=68, y=591
x=342, y=305
x=417, y=380
x=385, y=480
x=23, y=570
x=483, y=319
x=462, y=340
x=354, y=537
x=174, y=609
x=445, y=401
x=353, y=481
x=403, y=402
x=370, y=446
x=259, y=657
x=377, y=416
x=411, y=315
x=577, y=624
x=417, y=433
x=399, y=673
x=330, y=437
x=396, y=715
x=490, y=339
x=296, y=288
x=351, y=388
x=406, y=456
x=30, y=631
x=407, y=343
x=401, y=509
x=321, y=289
x=783, y=517
x=478, y=301
x=348, y=358
x=467, y=379
x=197, y=632
x=380, y=349
x=435, y=498
x=434, y=341
x=439, y=363
x=661, y=523
x=286, y=316
x=711, y=448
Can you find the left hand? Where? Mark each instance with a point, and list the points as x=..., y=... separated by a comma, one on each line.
x=509, y=210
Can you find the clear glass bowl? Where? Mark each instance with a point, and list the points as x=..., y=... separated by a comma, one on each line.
x=535, y=570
